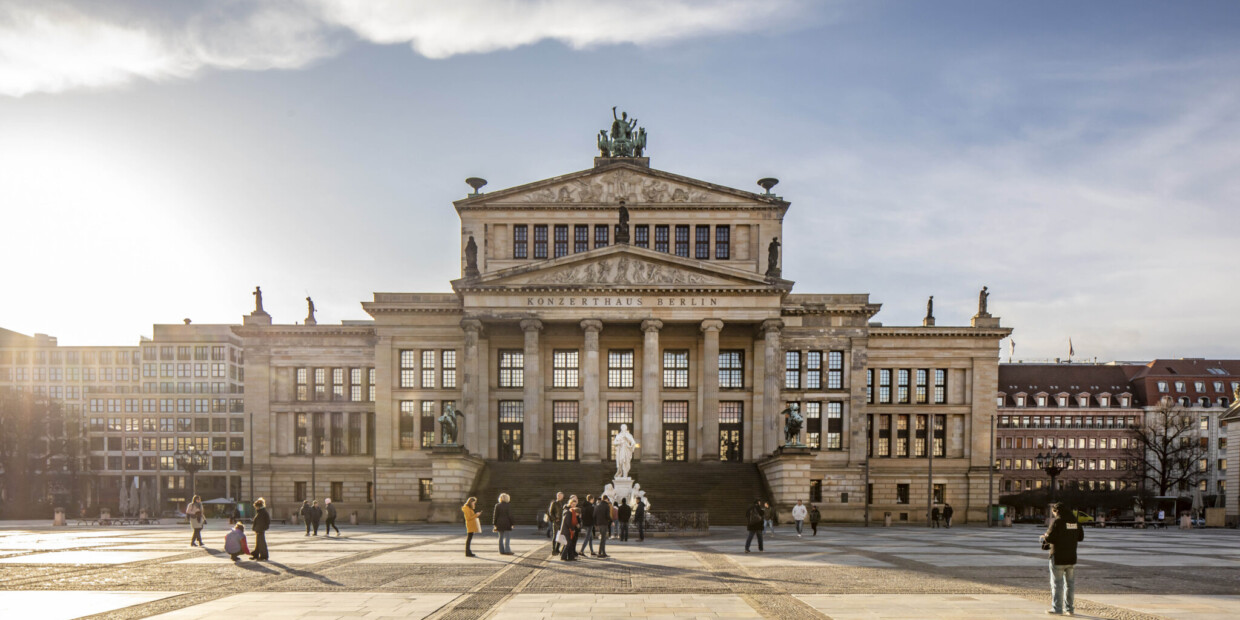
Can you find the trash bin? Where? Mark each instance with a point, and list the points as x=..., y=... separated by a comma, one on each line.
x=353, y=518
x=886, y=519
x=59, y=517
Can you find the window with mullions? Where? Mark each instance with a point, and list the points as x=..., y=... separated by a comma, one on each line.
x=540, y=241
x=884, y=386
x=732, y=370
x=301, y=438
x=869, y=386
x=581, y=238
x=813, y=370
x=303, y=384
x=427, y=424
x=520, y=241
x=428, y=370
x=792, y=370
x=682, y=240
x=355, y=385
x=564, y=369
x=447, y=359
x=813, y=425
x=600, y=235
x=884, y=435
x=723, y=243
x=337, y=384
x=940, y=435
x=675, y=369
x=641, y=236
x=835, y=370
x=320, y=384
x=511, y=368
x=923, y=377
x=919, y=436
x=902, y=437
x=834, y=426
x=902, y=379
x=661, y=238
x=940, y=386
x=561, y=240
x=511, y=412
x=620, y=368
x=701, y=242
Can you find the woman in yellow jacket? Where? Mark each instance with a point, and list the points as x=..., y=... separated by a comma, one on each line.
x=473, y=523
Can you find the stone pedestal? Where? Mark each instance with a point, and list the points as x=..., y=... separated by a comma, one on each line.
x=984, y=320
x=788, y=474
x=453, y=472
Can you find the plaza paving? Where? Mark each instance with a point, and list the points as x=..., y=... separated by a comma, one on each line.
x=421, y=572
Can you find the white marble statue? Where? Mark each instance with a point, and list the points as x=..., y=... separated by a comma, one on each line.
x=624, y=443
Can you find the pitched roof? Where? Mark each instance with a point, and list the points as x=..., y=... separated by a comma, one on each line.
x=1060, y=378
x=1188, y=367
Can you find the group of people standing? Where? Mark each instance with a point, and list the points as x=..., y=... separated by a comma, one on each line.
x=945, y=515
x=573, y=525
x=312, y=514
x=761, y=518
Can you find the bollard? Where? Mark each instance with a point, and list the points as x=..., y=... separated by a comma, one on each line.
x=353, y=518
x=886, y=519
x=1007, y=521
x=59, y=517
x=293, y=518
x=105, y=516
x=1186, y=523
x=142, y=514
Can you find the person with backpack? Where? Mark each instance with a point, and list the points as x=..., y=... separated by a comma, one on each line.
x=814, y=518
x=331, y=517
x=755, y=519
x=1061, y=538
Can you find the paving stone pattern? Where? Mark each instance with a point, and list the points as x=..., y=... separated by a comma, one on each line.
x=421, y=572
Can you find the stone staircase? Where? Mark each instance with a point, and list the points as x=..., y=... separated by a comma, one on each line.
x=725, y=490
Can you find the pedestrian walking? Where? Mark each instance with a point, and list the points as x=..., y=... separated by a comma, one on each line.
x=587, y=525
x=947, y=514
x=814, y=518
x=554, y=511
x=755, y=522
x=331, y=517
x=639, y=515
x=262, y=521
x=570, y=527
x=501, y=521
x=768, y=517
x=473, y=524
x=615, y=519
x=304, y=513
x=602, y=520
x=623, y=513
x=1060, y=539
x=799, y=514
x=934, y=516
x=316, y=514
x=197, y=518
x=235, y=543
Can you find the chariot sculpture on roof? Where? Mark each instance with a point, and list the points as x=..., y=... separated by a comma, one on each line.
x=626, y=139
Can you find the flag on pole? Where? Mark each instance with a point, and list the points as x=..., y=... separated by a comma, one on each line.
x=1011, y=349
x=1071, y=351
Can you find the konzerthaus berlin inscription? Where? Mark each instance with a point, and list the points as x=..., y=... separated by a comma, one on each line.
x=627, y=295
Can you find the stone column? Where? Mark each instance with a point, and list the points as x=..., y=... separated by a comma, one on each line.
x=533, y=391
x=474, y=415
x=591, y=430
x=651, y=418
x=773, y=362
x=387, y=421
x=710, y=390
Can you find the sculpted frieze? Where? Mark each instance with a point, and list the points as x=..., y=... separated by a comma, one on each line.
x=623, y=185
x=622, y=270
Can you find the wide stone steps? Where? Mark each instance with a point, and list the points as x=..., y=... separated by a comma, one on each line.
x=725, y=490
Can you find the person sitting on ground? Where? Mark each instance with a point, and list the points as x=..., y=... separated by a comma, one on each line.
x=235, y=543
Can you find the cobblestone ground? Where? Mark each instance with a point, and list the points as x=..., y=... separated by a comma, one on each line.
x=421, y=572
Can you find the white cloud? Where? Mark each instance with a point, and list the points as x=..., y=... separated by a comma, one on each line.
x=47, y=46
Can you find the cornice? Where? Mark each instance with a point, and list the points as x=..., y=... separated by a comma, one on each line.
x=940, y=332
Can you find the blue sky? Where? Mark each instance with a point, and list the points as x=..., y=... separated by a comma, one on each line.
x=1080, y=159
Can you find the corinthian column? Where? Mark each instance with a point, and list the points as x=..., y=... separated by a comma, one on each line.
x=591, y=430
x=651, y=420
x=475, y=416
x=710, y=389
x=533, y=391
x=773, y=361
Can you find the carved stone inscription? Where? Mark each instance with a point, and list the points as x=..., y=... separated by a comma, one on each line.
x=618, y=301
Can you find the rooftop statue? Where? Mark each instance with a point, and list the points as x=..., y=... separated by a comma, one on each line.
x=982, y=298
x=258, y=300
x=626, y=139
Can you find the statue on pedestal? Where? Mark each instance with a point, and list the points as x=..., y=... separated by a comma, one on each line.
x=772, y=259
x=792, y=424
x=622, y=229
x=448, y=427
x=625, y=444
x=930, y=308
x=982, y=298
x=471, y=258
x=310, y=312
x=258, y=300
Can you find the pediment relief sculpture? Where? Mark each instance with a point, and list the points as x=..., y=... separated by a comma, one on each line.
x=626, y=185
x=623, y=270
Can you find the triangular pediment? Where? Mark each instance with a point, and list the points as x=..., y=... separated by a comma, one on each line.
x=609, y=184
x=620, y=267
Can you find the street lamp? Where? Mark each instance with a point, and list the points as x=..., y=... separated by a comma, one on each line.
x=191, y=461
x=1053, y=463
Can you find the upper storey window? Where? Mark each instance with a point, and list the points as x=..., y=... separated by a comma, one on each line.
x=600, y=235
x=540, y=241
x=723, y=242
x=581, y=238
x=520, y=241
x=561, y=240
x=701, y=243
x=682, y=240
x=661, y=238
x=641, y=236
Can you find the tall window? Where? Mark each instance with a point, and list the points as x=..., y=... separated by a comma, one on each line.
x=869, y=386
x=675, y=369
x=511, y=368
x=320, y=384
x=732, y=369
x=919, y=436
x=303, y=387
x=337, y=384
x=902, y=435
x=600, y=235
x=835, y=426
x=723, y=243
x=682, y=240
x=520, y=241
x=701, y=242
x=884, y=386
x=940, y=435
x=370, y=385
x=660, y=238
x=428, y=370
x=921, y=396
x=940, y=386
x=792, y=370
x=620, y=368
x=540, y=241
x=813, y=425
x=408, y=368
x=902, y=378
x=447, y=359
x=581, y=238
x=427, y=424
x=641, y=236
x=835, y=370
x=301, y=439
x=564, y=369
x=561, y=240
x=813, y=370
x=884, y=435
x=355, y=385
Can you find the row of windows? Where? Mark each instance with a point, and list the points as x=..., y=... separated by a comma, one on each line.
x=70, y=374
x=1198, y=386
x=620, y=368
x=1066, y=443
x=332, y=434
x=43, y=358
x=425, y=413
x=820, y=436
x=168, y=425
x=911, y=386
x=162, y=463
x=197, y=387
x=1082, y=400
x=1070, y=421
x=663, y=242
x=166, y=444
x=823, y=369
x=218, y=370
x=183, y=352
x=165, y=405
x=1016, y=486
x=417, y=369
x=72, y=392
x=1074, y=464
x=904, y=435
x=314, y=384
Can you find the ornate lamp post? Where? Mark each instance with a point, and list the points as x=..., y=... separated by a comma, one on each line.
x=1053, y=463
x=191, y=461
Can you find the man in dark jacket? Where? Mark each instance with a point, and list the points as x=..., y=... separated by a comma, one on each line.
x=587, y=525
x=316, y=513
x=625, y=512
x=602, y=520
x=331, y=517
x=947, y=515
x=814, y=518
x=755, y=518
x=304, y=513
x=554, y=511
x=262, y=521
x=639, y=515
x=1060, y=539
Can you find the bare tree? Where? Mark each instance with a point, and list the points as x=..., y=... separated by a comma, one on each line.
x=41, y=453
x=1170, y=447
